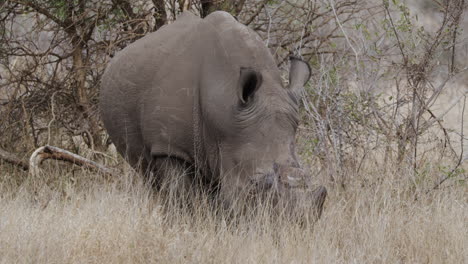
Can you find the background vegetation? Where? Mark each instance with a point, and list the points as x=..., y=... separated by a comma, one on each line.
x=382, y=127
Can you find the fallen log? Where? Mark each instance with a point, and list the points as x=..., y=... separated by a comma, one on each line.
x=50, y=152
x=13, y=159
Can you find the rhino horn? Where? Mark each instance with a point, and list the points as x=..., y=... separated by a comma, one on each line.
x=300, y=196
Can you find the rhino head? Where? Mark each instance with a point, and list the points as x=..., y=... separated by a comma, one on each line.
x=251, y=138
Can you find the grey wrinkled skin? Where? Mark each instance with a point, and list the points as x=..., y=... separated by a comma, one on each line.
x=207, y=93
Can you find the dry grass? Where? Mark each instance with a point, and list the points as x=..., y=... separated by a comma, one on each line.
x=380, y=214
x=92, y=221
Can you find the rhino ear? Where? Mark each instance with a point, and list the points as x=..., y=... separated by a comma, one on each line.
x=249, y=82
x=299, y=74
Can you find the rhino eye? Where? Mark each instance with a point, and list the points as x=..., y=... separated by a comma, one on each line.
x=250, y=81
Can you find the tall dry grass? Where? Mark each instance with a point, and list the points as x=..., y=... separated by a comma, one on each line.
x=380, y=217
x=377, y=210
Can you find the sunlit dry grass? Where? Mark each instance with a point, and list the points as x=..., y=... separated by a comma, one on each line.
x=381, y=221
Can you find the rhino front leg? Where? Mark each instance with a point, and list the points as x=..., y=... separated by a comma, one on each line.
x=171, y=177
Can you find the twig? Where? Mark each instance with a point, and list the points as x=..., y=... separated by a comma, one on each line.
x=256, y=13
x=453, y=103
x=396, y=34
x=303, y=32
x=53, y=116
x=345, y=35
x=269, y=27
x=455, y=31
x=460, y=159
x=447, y=137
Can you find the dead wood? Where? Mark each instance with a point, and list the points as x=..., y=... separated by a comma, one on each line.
x=50, y=152
x=13, y=159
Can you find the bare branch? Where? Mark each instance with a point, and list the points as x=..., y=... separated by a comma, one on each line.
x=460, y=159
x=50, y=152
x=13, y=159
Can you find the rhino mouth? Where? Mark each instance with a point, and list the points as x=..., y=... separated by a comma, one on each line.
x=280, y=177
x=290, y=188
